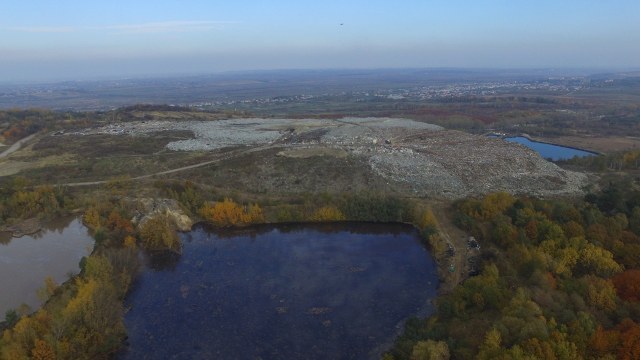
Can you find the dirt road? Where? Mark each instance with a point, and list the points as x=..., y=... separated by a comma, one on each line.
x=222, y=157
x=458, y=240
x=15, y=147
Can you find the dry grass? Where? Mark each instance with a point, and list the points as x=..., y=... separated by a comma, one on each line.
x=12, y=167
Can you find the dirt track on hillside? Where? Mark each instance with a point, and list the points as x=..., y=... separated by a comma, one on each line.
x=16, y=146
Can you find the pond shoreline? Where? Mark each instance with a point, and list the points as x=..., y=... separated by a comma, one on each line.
x=23, y=228
x=268, y=253
x=539, y=140
x=51, y=249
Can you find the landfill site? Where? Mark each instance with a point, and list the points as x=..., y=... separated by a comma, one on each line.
x=405, y=156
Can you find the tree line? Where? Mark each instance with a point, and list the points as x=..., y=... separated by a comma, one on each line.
x=558, y=281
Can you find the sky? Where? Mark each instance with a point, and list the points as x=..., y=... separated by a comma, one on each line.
x=44, y=40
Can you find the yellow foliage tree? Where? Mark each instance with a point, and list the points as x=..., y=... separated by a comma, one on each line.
x=601, y=293
x=130, y=242
x=85, y=323
x=91, y=218
x=98, y=268
x=93, y=318
x=23, y=337
x=430, y=350
x=496, y=203
x=327, y=213
x=255, y=214
x=599, y=260
x=49, y=288
x=491, y=346
x=427, y=220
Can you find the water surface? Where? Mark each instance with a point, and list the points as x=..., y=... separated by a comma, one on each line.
x=26, y=261
x=550, y=151
x=286, y=292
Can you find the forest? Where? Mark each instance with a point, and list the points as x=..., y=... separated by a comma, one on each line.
x=559, y=280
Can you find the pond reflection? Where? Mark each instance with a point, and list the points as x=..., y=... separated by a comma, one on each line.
x=26, y=261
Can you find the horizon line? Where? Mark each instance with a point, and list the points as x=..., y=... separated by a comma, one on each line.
x=592, y=70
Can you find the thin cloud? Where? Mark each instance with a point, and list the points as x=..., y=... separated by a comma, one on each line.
x=168, y=26
x=152, y=27
x=43, y=29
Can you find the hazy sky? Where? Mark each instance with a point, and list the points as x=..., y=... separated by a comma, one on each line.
x=64, y=39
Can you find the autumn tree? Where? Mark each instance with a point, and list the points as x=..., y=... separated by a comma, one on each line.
x=158, y=233
x=604, y=341
x=118, y=225
x=254, y=214
x=600, y=292
x=41, y=202
x=628, y=285
x=522, y=319
x=327, y=213
x=228, y=213
x=42, y=350
x=48, y=290
x=430, y=350
x=129, y=242
x=629, y=340
x=492, y=345
x=596, y=260
x=93, y=319
x=91, y=218
x=494, y=204
x=427, y=220
x=623, y=341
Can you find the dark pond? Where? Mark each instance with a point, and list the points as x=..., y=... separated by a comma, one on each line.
x=550, y=151
x=337, y=291
x=26, y=261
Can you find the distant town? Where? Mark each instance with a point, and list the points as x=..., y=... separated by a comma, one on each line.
x=280, y=87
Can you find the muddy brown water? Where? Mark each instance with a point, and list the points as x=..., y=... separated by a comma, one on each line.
x=25, y=262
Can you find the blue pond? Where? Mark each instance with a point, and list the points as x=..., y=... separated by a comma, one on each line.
x=550, y=151
x=331, y=291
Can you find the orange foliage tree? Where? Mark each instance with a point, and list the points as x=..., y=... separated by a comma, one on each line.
x=628, y=285
x=630, y=340
x=43, y=351
x=120, y=227
x=623, y=340
x=229, y=213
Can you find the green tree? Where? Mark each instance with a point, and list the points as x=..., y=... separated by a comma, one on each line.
x=430, y=350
